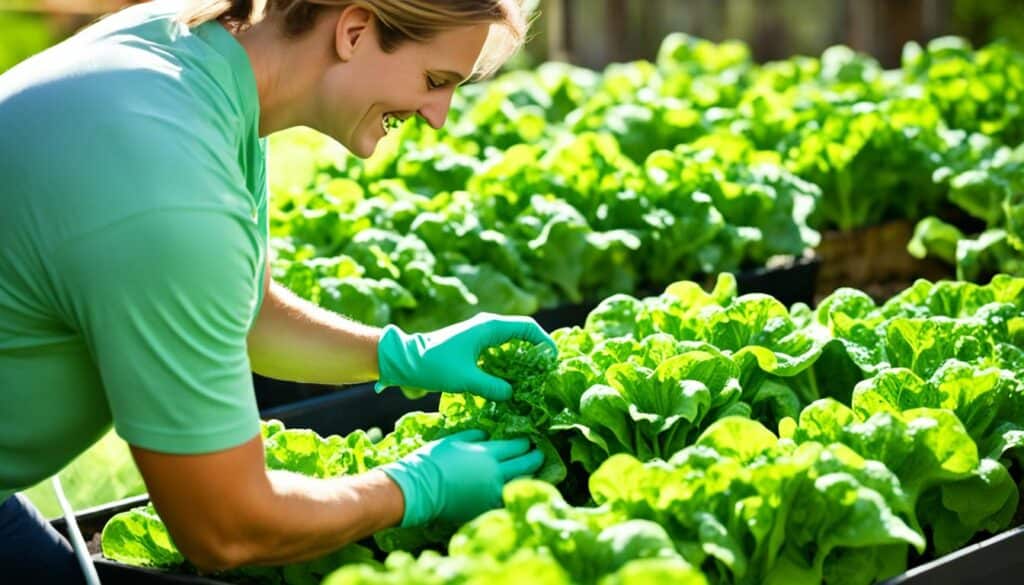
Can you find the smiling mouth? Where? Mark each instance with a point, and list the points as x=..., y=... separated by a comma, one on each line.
x=390, y=122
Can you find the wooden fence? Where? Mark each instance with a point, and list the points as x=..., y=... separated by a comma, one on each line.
x=597, y=32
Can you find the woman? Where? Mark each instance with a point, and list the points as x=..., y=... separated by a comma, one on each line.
x=133, y=280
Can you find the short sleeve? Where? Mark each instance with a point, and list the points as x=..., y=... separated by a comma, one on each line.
x=164, y=300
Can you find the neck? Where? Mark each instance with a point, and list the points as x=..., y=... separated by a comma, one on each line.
x=286, y=71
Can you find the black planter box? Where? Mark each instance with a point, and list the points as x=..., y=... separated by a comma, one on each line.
x=793, y=282
x=995, y=561
x=341, y=410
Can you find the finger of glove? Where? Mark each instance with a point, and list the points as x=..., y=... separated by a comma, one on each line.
x=503, y=329
x=488, y=386
x=507, y=449
x=522, y=466
x=470, y=436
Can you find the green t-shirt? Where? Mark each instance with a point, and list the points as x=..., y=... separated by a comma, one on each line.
x=133, y=236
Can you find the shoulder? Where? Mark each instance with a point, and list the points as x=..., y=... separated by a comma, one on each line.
x=137, y=77
x=119, y=139
x=125, y=120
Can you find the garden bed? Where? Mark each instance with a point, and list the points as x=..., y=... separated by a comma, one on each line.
x=995, y=560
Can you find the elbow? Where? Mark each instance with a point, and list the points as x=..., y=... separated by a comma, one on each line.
x=214, y=551
x=216, y=557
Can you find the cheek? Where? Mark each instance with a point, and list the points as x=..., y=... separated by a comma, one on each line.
x=343, y=102
x=334, y=95
x=393, y=83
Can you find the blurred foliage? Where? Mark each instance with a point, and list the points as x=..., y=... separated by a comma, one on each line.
x=988, y=20
x=103, y=473
x=23, y=36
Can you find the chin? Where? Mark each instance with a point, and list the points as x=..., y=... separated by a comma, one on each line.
x=363, y=148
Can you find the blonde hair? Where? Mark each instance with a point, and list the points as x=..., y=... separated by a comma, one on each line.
x=398, y=20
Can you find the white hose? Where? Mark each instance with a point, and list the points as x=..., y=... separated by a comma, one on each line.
x=81, y=549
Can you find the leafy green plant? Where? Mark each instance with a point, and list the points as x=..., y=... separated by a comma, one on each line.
x=901, y=427
x=985, y=180
x=977, y=91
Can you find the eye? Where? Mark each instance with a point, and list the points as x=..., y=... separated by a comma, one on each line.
x=434, y=83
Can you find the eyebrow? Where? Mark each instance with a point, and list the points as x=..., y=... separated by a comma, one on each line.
x=453, y=76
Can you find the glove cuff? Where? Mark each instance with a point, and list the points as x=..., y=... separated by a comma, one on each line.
x=392, y=357
x=416, y=491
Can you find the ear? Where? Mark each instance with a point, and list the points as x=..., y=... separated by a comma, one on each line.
x=352, y=26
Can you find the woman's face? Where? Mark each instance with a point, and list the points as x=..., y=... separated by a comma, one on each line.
x=368, y=86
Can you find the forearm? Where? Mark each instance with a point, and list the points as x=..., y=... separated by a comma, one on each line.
x=233, y=512
x=293, y=339
x=304, y=518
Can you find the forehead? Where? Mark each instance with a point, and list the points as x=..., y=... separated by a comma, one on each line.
x=455, y=49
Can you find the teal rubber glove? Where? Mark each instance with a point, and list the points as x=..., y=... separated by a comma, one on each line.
x=457, y=478
x=446, y=360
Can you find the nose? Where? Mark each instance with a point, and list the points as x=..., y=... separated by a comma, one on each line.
x=435, y=110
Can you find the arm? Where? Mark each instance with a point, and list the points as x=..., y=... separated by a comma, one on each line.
x=293, y=339
x=233, y=512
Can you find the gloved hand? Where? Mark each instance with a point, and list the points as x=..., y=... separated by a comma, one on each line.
x=445, y=360
x=456, y=478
